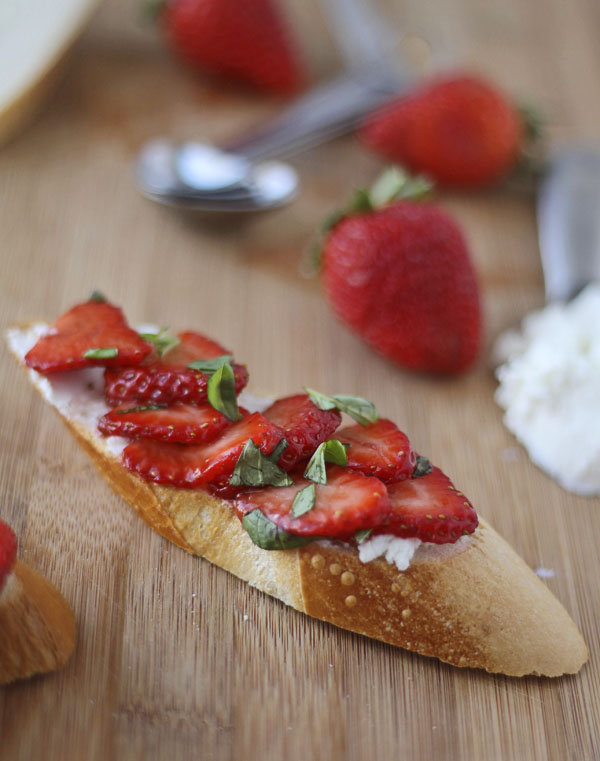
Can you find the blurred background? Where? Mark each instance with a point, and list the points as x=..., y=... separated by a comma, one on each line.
x=155, y=670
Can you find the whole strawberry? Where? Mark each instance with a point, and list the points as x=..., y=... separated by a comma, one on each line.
x=8, y=551
x=400, y=275
x=245, y=40
x=458, y=130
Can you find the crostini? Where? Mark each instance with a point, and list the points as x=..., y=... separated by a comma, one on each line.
x=343, y=521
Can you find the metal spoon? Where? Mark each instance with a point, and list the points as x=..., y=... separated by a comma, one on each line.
x=242, y=175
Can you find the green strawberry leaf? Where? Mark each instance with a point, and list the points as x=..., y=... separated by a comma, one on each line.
x=98, y=297
x=396, y=184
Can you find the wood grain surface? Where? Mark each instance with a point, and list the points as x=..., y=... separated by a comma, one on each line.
x=175, y=658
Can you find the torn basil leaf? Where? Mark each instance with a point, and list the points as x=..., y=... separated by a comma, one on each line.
x=322, y=401
x=142, y=408
x=422, y=467
x=362, y=535
x=304, y=501
x=278, y=451
x=268, y=536
x=101, y=353
x=359, y=409
x=211, y=365
x=163, y=342
x=254, y=468
x=329, y=451
x=221, y=393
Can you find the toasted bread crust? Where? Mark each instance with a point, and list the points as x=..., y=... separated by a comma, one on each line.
x=37, y=626
x=474, y=604
x=477, y=606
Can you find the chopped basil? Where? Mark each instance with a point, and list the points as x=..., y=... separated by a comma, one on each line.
x=304, y=501
x=254, y=468
x=268, y=536
x=105, y=353
x=142, y=408
x=278, y=451
x=359, y=409
x=422, y=467
x=362, y=535
x=163, y=341
x=322, y=401
x=329, y=451
x=211, y=365
x=221, y=393
x=98, y=297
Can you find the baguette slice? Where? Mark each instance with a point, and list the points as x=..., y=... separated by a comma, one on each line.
x=471, y=604
x=37, y=625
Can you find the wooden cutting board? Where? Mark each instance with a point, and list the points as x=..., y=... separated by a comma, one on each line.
x=175, y=658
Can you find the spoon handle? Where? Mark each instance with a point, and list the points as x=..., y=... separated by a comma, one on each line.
x=322, y=114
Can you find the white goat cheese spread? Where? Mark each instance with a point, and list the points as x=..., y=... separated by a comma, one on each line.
x=549, y=387
x=395, y=549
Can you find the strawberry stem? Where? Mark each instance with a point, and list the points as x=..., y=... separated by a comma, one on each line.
x=151, y=10
x=396, y=184
x=533, y=121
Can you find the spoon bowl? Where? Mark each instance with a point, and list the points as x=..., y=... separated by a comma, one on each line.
x=203, y=178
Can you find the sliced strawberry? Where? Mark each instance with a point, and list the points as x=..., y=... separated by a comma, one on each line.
x=222, y=489
x=90, y=327
x=430, y=508
x=305, y=426
x=193, y=465
x=183, y=423
x=379, y=449
x=347, y=503
x=168, y=379
x=192, y=346
x=8, y=551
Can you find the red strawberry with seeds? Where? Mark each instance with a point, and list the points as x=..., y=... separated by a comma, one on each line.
x=92, y=333
x=8, y=551
x=246, y=41
x=168, y=379
x=304, y=424
x=347, y=503
x=401, y=276
x=194, y=465
x=430, y=508
x=459, y=130
x=379, y=449
x=182, y=423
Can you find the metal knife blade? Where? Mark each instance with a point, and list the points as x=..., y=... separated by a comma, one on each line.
x=569, y=223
